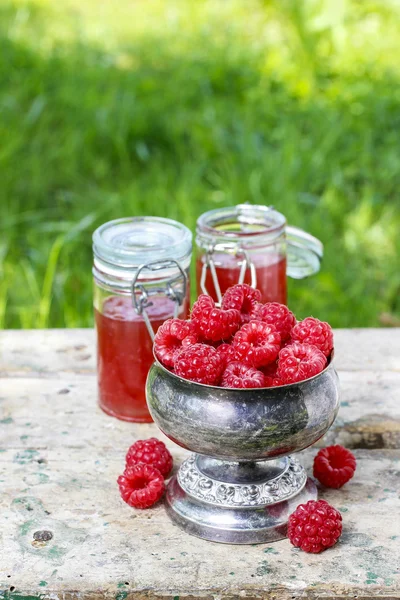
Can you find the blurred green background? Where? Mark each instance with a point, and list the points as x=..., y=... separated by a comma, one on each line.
x=171, y=108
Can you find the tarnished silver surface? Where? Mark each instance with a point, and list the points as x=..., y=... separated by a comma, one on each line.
x=239, y=487
x=244, y=494
x=242, y=424
x=233, y=525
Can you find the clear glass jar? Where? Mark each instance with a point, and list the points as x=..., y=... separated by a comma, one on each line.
x=141, y=278
x=252, y=244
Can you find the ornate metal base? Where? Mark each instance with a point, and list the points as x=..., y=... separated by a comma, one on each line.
x=237, y=502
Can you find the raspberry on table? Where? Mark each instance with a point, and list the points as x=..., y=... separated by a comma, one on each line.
x=212, y=323
x=298, y=362
x=314, y=332
x=243, y=298
x=334, y=466
x=200, y=363
x=278, y=315
x=237, y=375
x=150, y=452
x=141, y=485
x=171, y=337
x=314, y=526
x=256, y=344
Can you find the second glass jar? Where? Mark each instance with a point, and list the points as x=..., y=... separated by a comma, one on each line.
x=252, y=244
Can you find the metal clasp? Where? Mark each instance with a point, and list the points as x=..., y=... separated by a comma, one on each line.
x=238, y=252
x=175, y=289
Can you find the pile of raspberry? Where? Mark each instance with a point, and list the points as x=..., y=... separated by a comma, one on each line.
x=148, y=462
x=243, y=343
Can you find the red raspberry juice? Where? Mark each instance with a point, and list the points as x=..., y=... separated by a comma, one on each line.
x=270, y=271
x=125, y=354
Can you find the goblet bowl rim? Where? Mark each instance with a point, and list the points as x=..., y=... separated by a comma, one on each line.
x=246, y=390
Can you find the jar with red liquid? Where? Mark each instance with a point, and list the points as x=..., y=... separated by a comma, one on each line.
x=252, y=244
x=141, y=278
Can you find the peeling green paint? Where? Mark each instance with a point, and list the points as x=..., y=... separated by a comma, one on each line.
x=8, y=595
x=121, y=595
x=372, y=575
x=263, y=568
x=6, y=421
x=25, y=456
x=43, y=583
x=270, y=551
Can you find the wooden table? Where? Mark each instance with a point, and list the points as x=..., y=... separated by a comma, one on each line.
x=65, y=532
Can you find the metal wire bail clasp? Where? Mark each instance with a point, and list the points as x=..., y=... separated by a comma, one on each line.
x=209, y=263
x=174, y=288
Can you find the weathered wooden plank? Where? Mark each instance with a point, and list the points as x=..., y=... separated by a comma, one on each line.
x=60, y=457
x=47, y=352
x=52, y=352
x=53, y=412
x=101, y=547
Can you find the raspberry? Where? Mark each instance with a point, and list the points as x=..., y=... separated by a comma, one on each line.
x=150, y=452
x=227, y=352
x=334, y=466
x=271, y=378
x=200, y=363
x=237, y=375
x=243, y=298
x=272, y=381
x=171, y=337
x=314, y=332
x=141, y=485
x=278, y=315
x=256, y=344
x=314, y=526
x=271, y=369
x=212, y=323
x=300, y=361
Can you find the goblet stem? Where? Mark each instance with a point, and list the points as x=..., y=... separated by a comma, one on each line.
x=244, y=471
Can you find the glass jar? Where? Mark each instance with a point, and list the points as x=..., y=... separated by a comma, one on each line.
x=141, y=278
x=252, y=244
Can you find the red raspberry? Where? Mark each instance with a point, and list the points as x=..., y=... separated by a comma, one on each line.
x=314, y=526
x=334, y=466
x=141, y=486
x=272, y=381
x=314, y=332
x=237, y=375
x=256, y=344
x=227, y=352
x=171, y=337
x=300, y=361
x=243, y=298
x=200, y=363
x=150, y=452
x=271, y=378
x=212, y=323
x=271, y=369
x=278, y=315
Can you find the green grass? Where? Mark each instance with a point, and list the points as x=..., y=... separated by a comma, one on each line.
x=175, y=107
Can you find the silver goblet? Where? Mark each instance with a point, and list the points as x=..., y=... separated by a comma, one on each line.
x=241, y=484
